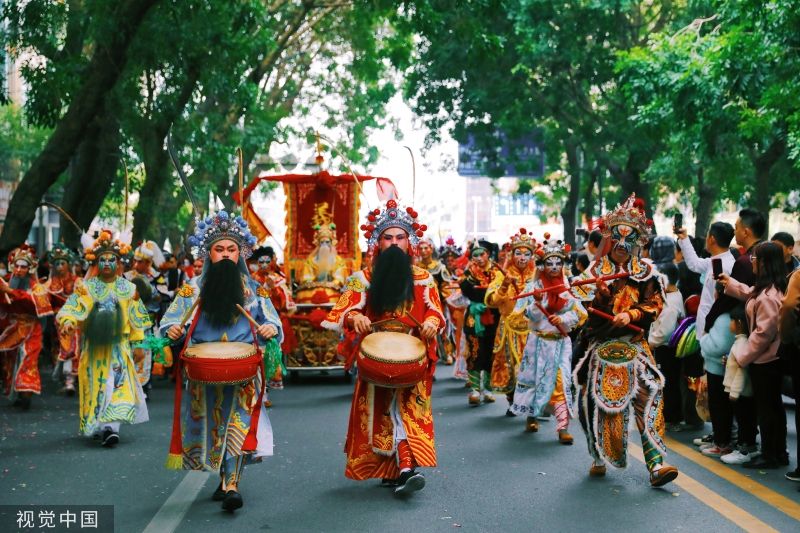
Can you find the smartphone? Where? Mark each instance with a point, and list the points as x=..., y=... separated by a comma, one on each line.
x=677, y=222
x=716, y=267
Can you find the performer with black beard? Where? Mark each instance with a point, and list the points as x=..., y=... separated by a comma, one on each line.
x=23, y=302
x=245, y=436
x=403, y=298
x=110, y=316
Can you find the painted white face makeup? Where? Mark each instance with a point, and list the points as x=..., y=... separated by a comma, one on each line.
x=522, y=256
x=553, y=266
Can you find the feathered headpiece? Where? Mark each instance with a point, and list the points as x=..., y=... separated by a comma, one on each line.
x=631, y=212
x=149, y=251
x=393, y=216
x=552, y=247
x=60, y=252
x=24, y=253
x=221, y=226
x=450, y=248
x=105, y=243
x=523, y=239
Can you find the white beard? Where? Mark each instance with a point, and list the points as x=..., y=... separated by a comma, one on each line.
x=326, y=261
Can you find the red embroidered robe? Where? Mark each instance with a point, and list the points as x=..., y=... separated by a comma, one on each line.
x=370, y=445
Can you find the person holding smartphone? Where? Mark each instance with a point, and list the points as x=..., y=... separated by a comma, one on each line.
x=718, y=240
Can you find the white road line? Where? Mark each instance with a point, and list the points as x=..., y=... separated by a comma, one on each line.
x=169, y=517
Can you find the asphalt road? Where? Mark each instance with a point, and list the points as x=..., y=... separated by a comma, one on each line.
x=491, y=476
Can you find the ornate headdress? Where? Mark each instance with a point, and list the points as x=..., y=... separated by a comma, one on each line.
x=393, y=216
x=149, y=251
x=523, y=239
x=221, y=226
x=24, y=253
x=323, y=225
x=552, y=247
x=60, y=252
x=449, y=248
x=631, y=213
x=105, y=243
x=325, y=231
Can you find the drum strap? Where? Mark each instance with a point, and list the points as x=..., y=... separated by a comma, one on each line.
x=175, y=458
x=251, y=441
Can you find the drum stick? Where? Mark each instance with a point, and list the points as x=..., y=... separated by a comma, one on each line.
x=188, y=314
x=409, y=315
x=537, y=292
x=590, y=281
x=608, y=317
x=560, y=288
x=560, y=327
x=247, y=315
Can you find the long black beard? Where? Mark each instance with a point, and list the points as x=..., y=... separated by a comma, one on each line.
x=392, y=281
x=20, y=283
x=222, y=289
x=103, y=327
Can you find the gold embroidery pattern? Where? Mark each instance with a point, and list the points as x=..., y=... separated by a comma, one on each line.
x=186, y=291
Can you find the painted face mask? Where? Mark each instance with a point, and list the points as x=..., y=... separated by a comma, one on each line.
x=553, y=266
x=107, y=261
x=625, y=237
x=522, y=256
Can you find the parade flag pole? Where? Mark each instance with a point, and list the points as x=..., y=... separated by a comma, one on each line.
x=413, y=176
x=241, y=177
x=127, y=193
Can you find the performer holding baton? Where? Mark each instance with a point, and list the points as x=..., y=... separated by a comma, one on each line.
x=618, y=376
x=543, y=380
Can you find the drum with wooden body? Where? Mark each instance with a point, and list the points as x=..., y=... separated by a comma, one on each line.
x=222, y=363
x=392, y=359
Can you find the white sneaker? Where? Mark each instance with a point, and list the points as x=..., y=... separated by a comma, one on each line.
x=739, y=457
x=705, y=446
x=705, y=439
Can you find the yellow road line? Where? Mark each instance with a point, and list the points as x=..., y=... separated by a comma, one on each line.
x=762, y=492
x=738, y=516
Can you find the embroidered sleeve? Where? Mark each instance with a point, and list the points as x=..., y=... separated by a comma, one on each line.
x=137, y=315
x=138, y=318
x=266, y=314
x=76, y=309
x=494, y=293
x=650, y=304
x=178, y=308
x=353, y=298
x=433, y=304
x=573, y=314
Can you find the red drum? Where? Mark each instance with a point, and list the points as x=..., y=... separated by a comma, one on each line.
x=391, y=359
x=222, y=363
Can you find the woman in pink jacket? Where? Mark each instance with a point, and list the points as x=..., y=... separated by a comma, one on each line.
x=763, y=301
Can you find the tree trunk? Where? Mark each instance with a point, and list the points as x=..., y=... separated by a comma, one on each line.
x=157, y=186
x=92, y=172
x=159, y=181
x=100, y=77
x=569, y=214
x=630, y=180
x=706, y=198
x=763, y=166
x=588, y=197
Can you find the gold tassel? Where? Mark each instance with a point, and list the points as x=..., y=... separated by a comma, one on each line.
x=174, y=462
